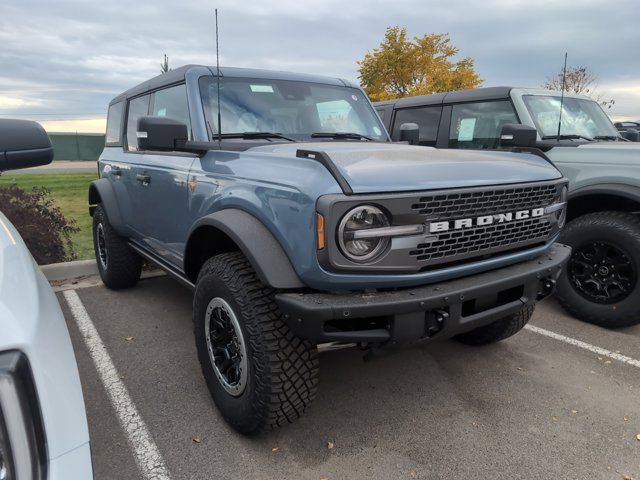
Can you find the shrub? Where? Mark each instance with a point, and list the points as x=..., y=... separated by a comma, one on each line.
x=40, y=223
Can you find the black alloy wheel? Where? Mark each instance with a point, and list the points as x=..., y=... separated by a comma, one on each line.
x=602, y=272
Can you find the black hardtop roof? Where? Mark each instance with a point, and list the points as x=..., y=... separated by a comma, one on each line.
x=178, y=75
x=457, y=96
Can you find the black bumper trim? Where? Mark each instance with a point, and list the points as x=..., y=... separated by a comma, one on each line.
x=407, y=315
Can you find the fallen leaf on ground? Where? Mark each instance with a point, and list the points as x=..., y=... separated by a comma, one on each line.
x=638, y=437
x=330, y=445
x=129, y=339
x=275, y=449
x=574, y=411
x=607, y=362
x=196, y=440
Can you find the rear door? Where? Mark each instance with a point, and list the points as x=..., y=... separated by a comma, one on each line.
x=133, y=158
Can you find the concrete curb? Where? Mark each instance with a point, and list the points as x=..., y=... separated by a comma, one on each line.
x=69, y=270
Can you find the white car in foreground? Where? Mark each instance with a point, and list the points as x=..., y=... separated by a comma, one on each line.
x=43, y=425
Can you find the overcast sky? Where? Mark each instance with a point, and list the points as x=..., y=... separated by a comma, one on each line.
x=69, y=58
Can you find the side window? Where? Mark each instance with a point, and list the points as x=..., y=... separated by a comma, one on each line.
x=478, y=125
x=114, y=125
x=138, y=107
x=172, y=102
x=427, y=118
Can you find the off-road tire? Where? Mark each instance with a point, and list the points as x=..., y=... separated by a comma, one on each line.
x=618, y=228
x=498, y=330
x=122, y=266
x=282, y=369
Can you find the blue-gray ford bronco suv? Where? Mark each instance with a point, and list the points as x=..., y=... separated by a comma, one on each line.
x=281, y=201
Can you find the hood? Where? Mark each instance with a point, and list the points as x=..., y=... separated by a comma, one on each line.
x=611, y=153
x=371, y=167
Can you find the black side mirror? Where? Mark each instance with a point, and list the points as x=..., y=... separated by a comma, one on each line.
x=161, y=133
x=23, y=144
x=631, y=135
x=516, y=135
x=410, y=132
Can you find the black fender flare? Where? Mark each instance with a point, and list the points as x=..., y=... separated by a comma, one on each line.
x=629, y=192
x=101, y=191
x=256, y=242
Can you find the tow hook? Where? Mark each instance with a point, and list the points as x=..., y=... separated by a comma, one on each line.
x=435, y=322
x=546, y=288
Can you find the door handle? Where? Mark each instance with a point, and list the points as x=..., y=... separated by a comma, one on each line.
x=143, y=179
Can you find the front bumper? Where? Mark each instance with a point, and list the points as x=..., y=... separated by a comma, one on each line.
x=433, y=311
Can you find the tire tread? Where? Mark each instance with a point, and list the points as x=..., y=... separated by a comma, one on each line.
x=630, y=225
x=287, y=366
x=124, y=265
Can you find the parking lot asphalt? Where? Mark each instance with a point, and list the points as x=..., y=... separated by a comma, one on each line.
x=530, y=407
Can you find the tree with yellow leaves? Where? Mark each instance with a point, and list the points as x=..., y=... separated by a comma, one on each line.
x=401, y=67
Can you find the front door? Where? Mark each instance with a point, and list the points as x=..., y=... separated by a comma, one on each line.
x=162, y=184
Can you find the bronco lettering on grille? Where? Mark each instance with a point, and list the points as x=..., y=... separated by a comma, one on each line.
x=435, y=227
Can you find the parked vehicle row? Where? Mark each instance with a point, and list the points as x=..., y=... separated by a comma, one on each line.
x=43, y=427
x=282, y=201
x=630, y=130
x=296, y=221
x=601, y=284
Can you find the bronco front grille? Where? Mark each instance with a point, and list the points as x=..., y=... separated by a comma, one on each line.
x=477, y=241
x=504, y=236
x=469, y=204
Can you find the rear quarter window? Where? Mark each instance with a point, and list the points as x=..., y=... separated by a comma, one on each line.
x=114, y=125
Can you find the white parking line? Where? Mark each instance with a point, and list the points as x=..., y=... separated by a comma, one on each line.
x=148, y=458
x=586, y=346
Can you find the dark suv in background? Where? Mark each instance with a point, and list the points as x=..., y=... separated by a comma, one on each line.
x=602, y=280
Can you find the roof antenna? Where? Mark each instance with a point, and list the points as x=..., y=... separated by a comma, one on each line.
x=218, y=85
x=564, y=77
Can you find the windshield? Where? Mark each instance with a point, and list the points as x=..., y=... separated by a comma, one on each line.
x=293, y=109
x=579, y=117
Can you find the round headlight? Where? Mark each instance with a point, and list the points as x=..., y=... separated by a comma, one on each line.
x=362, y=247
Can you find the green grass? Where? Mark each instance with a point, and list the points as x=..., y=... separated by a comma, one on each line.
x=70, y=192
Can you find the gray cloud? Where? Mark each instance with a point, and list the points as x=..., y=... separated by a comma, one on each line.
x=68, y=56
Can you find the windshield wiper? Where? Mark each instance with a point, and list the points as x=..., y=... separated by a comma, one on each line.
x=567, y=137
x=252, y=135
x=606, y=137
x=341, y=135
